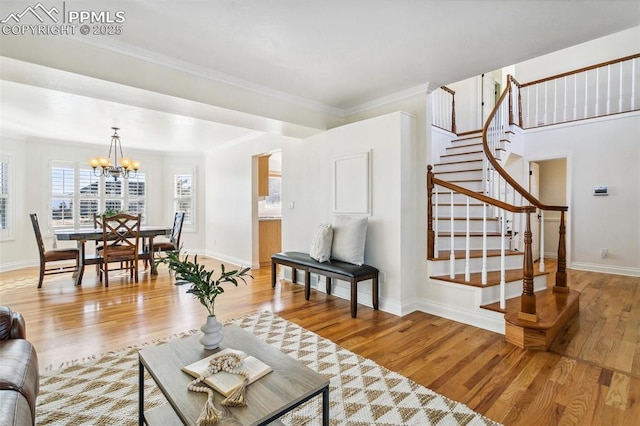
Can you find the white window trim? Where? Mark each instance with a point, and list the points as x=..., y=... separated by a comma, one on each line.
x=9, y=233
x=189, y=227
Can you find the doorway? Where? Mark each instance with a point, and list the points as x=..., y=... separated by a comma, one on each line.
x=551, y=181
x=269, y=206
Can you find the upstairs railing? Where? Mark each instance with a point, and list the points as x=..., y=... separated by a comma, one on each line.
x=444, y=109
x=607, y=88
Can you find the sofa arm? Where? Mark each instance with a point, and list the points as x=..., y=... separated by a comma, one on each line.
x=12, y=324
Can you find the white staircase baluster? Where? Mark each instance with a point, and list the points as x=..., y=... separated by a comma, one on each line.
x=467, y=263
x=597, y=96
x=435, y=224
x=555, y=99
x=542, y=241
x=564, y=112
x=484, y=244
x=620, y=91
x=452, y=256
x=633, y=84
x=502, y=261
x=575, y=96
x=608, y=89
x=586, y=94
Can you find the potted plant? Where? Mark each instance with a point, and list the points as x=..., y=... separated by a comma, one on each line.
x=205, y=286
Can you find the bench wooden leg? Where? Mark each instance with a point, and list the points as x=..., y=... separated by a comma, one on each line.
x=374, y=289
x=328, y=285
x=354, y=298
x=273, y=274
x=307, y=284
x=294, y=275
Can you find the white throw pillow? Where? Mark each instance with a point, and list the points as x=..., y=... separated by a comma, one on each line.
x=349, y=235
x=321, y=243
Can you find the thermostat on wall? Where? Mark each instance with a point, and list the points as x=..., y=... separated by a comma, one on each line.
x=600, y=190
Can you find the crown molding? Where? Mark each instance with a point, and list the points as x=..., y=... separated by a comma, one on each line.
x=424, y=89
x=183, y=66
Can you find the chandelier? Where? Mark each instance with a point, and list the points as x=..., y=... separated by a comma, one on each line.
x=126, y=168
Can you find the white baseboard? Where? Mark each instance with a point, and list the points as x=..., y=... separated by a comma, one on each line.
x=18, y=265
x=606, y=269
x=233, y=260
x=481, y=318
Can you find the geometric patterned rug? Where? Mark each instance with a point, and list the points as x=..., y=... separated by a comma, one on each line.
x=361, y=392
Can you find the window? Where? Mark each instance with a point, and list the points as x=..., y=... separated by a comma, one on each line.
x=184, y=197
x=77, y=194
x=6, y=183
x=62, y=195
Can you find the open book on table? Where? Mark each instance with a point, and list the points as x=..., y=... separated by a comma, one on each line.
x=224, y=382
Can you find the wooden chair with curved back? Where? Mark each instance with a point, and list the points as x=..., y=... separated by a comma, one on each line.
x=174, y=238
x=54, y=255
x=120, y=243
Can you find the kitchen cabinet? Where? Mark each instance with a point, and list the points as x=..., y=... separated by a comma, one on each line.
x=263, y=176
x=270, y=239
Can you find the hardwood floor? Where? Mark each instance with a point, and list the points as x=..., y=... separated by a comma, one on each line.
x=591, y=376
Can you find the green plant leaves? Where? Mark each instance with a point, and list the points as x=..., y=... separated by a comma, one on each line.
x=203, y=286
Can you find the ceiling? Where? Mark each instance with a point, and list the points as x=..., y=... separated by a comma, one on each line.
x=279, y=59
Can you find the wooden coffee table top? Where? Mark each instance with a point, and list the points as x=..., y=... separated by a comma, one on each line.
x=287, y=385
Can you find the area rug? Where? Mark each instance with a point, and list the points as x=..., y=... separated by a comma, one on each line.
x=105, y=391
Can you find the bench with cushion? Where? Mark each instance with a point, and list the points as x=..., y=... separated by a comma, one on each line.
x=331, y=269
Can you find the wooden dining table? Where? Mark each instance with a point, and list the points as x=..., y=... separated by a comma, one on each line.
x=81, y=236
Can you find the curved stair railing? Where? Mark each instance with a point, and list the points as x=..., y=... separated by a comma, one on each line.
x=501, y=185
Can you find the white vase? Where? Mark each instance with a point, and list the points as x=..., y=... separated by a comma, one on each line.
x=212, y=330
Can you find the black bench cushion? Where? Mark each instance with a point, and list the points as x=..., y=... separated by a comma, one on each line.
x=335, y=266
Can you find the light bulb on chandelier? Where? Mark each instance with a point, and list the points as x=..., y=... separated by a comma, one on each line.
x=125, y=169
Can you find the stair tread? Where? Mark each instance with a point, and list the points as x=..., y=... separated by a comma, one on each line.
x=449, y=163
x=493, y=277
x=464, y=218
x=457, y=171
x=550, y=307
x=461, y=254
x=462, y=153
x=471, y=234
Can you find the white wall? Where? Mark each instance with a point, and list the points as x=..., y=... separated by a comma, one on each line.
x=599, y=152
x=231, y=225
x=389, y=139
x=604, y=49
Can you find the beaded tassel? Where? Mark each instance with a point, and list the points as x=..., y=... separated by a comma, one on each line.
x=230, y=363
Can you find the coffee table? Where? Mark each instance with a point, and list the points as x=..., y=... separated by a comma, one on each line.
x=289, y=385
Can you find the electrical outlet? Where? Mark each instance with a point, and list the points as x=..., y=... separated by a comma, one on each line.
x=604, y=252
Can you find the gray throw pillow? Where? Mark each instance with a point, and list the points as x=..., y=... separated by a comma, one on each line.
x=349, y=236
x=321, y=243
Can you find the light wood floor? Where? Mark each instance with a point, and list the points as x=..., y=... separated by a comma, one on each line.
x=591, y=376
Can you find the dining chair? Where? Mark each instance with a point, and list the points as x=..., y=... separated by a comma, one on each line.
x=53, y=255
x=174, y=239
x=120, y=243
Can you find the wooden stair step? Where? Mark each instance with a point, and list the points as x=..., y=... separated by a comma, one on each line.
x=461, y=254
x=554, y=311
x=493, y=277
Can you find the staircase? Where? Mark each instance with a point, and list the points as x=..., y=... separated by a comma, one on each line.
x=462, y=165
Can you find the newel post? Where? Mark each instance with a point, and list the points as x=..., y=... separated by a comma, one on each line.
x=561, y=274
x=528, y=298
x=430, y=233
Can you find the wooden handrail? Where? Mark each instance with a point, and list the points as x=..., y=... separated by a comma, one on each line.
x=515, y=185
x=478, y=196
x=589, y=68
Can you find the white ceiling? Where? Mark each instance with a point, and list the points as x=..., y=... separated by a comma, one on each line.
x=334, y=56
